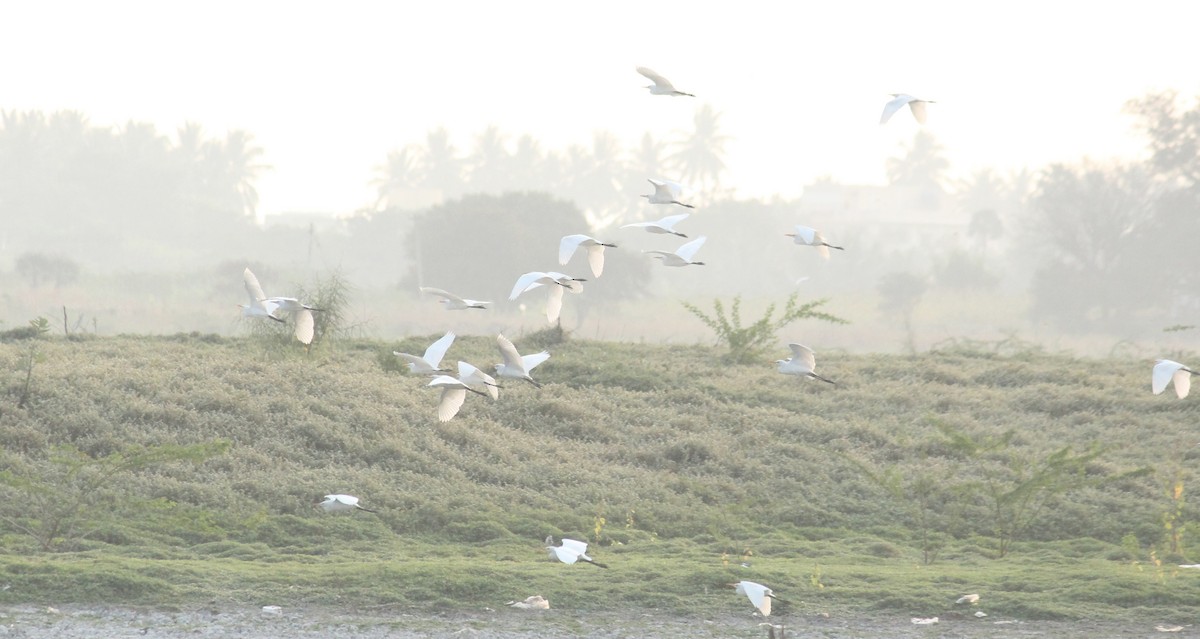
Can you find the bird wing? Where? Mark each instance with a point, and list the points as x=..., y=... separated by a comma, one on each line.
x=576, y=545
x=253, y=289
x=757, y=593
x=893, y=106
x=554, y=297
x=656, y=78
x=806, y=233
x=305, y=326
x=823, y=251
x=437, y=350
x=670, y=221
x=508, y=352
x=563, y=554
x=415, y=364
x=527, y=282
x=530, y=362
x=452, y=401
x=1183, y=382
x=344, y=499
x=595, y=254
x=687, y=251
x=1164, y=371
x=443, y=294
x=804, y=354
x=472, y=375
x=918, y=110
x=568, y=245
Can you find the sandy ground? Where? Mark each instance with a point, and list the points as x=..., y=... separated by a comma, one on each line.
x=70, y=622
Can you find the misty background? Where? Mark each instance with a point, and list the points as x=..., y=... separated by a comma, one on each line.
x=137, y=230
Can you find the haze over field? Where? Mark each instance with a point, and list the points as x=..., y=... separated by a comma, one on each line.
x=343, y=114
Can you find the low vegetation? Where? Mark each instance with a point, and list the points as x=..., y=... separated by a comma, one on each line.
x=1054, y=486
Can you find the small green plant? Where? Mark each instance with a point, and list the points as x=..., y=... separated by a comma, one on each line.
x=1174, y=525
x=69, y=495
x=924, y=492
x=748, y=343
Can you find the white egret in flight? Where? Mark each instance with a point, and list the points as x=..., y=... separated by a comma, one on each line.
x=454, y=393
x=898, y=101
x=802, y=363
x=475, y=378
x=452, y=301
x=664, y=226
x=515, y=365
x=682, y=255
x=570, y=551
x=1167, y=371
x=274, y=307
x=429, y=363
x=339, y=504
x=595, y=251
x=554, y=294
x=661, y=86
x=758, y=594
x=666, y=192
x=808, y=236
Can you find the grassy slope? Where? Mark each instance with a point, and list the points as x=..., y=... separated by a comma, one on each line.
x=686, y=466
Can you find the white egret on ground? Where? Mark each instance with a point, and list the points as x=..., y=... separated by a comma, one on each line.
x=924, y=621
x=661, y=86
x=971, y=599
x=339, y=504
x=515, y=365
x=535, y=602
x=808, y=236
x=452, y=301
x=571, y=551
x=682, y=255
x=1167, y=371
x=429, y=363
x=475, y=378
x=557, y=281
x=664, y=226
x=666, y=192
x=898, y=101
x=595, y=250
x=802, y=363
x=758, y=594
x=454, y=393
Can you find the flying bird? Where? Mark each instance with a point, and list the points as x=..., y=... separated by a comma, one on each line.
x=758, y=594
x=661, y=86
x=682, y=255
x=1167, y=371
x=429, y=363
x=475, y=378
x=898, y=101
x=802, y=363
x=452, y=301
x=595, y=251
x=664, y=226
x=570, y=551
x=971, y=599
x=554, y=294
x=339, y=504
x=454, y=393
x=275, y=307
x=515, y=365
x=666, y=192
x=808, y=236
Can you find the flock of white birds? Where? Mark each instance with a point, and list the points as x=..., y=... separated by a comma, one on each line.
x=471, y=379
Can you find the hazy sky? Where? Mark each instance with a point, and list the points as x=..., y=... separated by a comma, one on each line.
x=329, y=88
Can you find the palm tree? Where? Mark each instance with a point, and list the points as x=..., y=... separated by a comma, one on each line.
x=441, y=168
x=923, y=165
x=489, y=162
x=233, y=168
x=700, y=156
x=395, y=175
